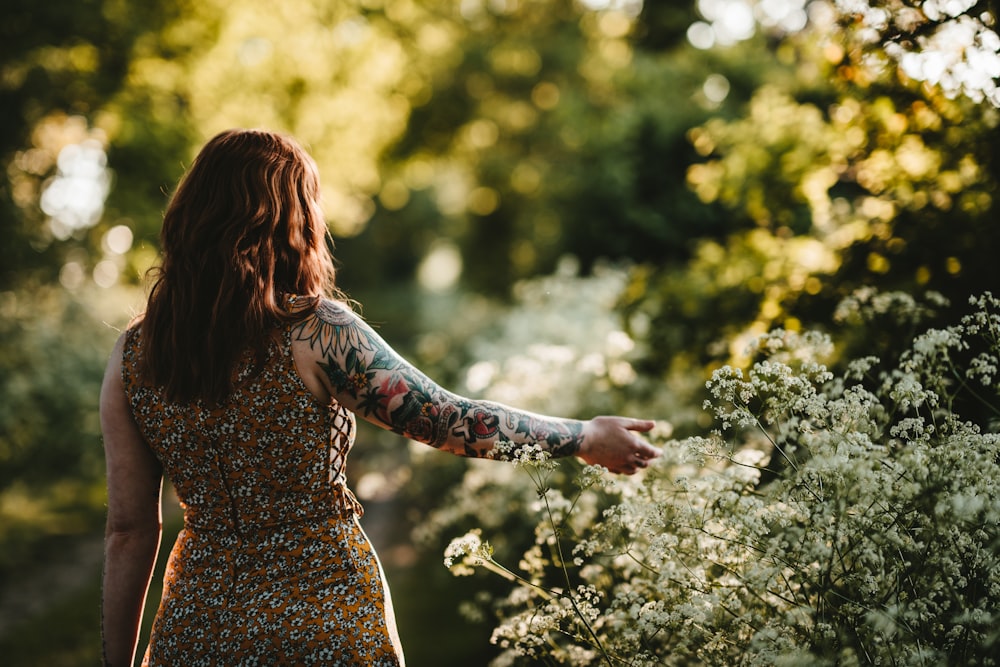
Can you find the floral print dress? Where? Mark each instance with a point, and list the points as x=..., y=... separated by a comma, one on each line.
x=271, y=567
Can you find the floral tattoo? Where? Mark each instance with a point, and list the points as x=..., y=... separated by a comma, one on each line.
x=369, y=378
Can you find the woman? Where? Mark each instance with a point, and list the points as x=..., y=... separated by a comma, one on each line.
x=240, y=383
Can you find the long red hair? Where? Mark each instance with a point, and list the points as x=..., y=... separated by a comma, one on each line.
x=243, y=227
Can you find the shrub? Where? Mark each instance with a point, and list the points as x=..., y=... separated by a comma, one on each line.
x=829, y=520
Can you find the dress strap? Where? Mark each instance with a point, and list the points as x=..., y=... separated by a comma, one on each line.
x=130, y=360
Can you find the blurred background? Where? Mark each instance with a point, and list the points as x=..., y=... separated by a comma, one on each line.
x=572, y=206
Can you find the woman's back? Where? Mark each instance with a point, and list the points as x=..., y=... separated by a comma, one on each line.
x=271, y=565
x=270, y=454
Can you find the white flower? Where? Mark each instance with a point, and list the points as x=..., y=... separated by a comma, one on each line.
x=469, y=550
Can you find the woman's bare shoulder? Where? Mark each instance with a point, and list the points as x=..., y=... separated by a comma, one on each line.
x=331, y=311
x=332, y=326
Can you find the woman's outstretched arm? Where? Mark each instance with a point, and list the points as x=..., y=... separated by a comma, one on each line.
x=364, y=374
x=132, y=536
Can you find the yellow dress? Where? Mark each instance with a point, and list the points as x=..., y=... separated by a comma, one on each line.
x=271, y=567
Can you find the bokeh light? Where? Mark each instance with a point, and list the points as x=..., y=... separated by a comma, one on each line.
x=74, y=198
x=728, y=22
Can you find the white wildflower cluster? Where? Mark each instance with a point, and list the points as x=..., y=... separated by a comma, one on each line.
x=528, y=634
x=868, y=304
x=944, y=363
x=984, y=369
x=467, y=552
x=832, y=519
x=984, y=323
x=522, y=454
x=594, y=476
x=781, y=388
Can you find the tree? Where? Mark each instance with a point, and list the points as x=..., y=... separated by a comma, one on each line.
x=852, y=174
x=546, y=137
x=62, y=63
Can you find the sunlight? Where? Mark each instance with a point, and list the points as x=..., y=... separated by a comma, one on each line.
x=715, y=88
x=106, y=273
x=728, y=22
x=628, y=7
x=785, y=15
x=74, y=198
x=71, y=275
x=441, y=267
x=937, y=9
x=732, y=20
x=961, y=56
x=118, y=240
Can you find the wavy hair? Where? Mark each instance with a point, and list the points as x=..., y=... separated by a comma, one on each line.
x=243, y=227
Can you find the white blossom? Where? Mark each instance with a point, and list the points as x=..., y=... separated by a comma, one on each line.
x=830, y=519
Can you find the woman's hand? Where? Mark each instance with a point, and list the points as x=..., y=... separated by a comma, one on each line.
x=612, y=442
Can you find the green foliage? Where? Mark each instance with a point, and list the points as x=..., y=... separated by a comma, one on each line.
x=52, y=368
x=548, y=136
x=846, y=173
x=54, y=349
x=830, y=520
x=745, y=187
x=62, y=63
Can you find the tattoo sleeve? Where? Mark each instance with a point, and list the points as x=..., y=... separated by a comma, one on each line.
x=372, y=380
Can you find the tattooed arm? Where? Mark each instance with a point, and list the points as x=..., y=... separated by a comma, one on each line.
x=361, y=371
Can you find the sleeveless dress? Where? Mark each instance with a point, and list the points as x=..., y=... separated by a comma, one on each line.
x=271, y=567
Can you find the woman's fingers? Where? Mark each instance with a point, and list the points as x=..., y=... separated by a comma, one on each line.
x=641, y=451
x=615, y=443
x=641, y=425
x=644, y=452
